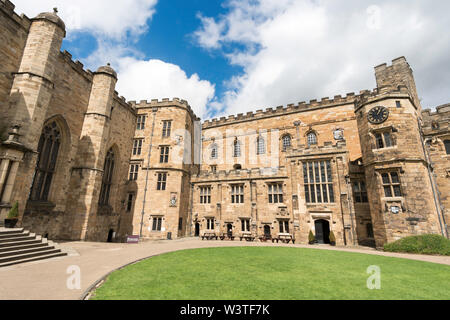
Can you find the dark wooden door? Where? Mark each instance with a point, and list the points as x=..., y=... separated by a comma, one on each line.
x=267, y=232
x=197, y=229
x=322, y=231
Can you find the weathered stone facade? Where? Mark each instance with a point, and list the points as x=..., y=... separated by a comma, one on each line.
x=84, y=163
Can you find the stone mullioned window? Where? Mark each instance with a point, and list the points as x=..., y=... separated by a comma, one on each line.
x=391, y=184
x=167, y=128
x=237, y=193
x=205, y=195
x=140, y=122
x=134, y=170
x=137, y=147
x=360, y=192
x=162, y=181
x=164, y=155
x=318, y=181
x=275, y=192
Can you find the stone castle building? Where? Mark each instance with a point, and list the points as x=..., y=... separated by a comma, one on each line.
x=85, y=164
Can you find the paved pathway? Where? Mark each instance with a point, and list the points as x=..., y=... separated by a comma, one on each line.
x=46, y=280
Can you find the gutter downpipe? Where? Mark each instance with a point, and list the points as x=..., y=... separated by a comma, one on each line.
x=154, y=110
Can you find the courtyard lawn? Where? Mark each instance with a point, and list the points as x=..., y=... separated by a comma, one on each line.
x=271, y=273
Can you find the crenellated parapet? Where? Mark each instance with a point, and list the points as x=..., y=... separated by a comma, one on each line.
x=76, y=65
x=8, y=8
x=282, y=110
x=378, y=94
x=164, y=103
x=437, y=122
x=327, y=149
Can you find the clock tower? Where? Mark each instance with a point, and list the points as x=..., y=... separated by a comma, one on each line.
x=394, y=159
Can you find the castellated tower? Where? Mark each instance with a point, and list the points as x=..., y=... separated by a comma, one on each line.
x=401, y=199
x=91, y=166
x=162, y=162
x=33, y=83
x=31, y=91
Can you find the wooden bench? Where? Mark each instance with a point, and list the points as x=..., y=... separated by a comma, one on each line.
x=210, y=236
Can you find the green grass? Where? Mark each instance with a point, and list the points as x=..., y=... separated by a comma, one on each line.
x=424, y=244
x=248, y=273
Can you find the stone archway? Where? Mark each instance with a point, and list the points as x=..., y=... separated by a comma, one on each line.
x=197, y=229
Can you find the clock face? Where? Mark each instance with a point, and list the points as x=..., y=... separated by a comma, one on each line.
x=378, y=115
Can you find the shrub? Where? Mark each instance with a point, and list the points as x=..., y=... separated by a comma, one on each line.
x=332, y=237
x=311, y=237
x=424, y=244
x=14, y=212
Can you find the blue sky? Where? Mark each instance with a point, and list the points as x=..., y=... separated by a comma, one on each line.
x=228, y=57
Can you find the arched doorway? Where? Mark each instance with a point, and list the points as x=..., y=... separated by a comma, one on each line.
x=322, y=231
x=197, y=229
x=267, y=231
x=229, y=229
x=110, y=235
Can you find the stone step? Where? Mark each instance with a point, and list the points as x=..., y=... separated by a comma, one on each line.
x=19, y=243
x=24, y=247
x=13, y=235
x=4, y=231
x=24, y=256
x=26, y=251
x=18, y=239
x=49, y=256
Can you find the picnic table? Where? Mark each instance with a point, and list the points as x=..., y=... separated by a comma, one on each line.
x=285, y=238
x=265, y=238
x=210, y=236
x=247, y=237
x=227, y=237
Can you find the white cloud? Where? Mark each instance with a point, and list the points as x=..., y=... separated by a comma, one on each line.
x=156, y=79
x=306, y=49
x=106, y=18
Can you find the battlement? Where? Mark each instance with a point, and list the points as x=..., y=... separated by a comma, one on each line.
x=441, y=110
x=166, y=102
x=281, y=110
x=367, y=96
x=243, y=174
x=8, y=8
x=400, y=61
x=76, y=65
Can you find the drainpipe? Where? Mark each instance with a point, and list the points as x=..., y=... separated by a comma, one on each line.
x=154, y=110
x=436, y=196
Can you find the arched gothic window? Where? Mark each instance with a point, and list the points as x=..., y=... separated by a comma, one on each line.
x=260, y=146
x=107, y=178
x=48, y=149
x=214, y=151
x=287, y=142
x=312, y=139
x=236, y=148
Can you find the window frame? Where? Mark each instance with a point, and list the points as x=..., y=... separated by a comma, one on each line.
x=318, y=181
x=164, y=154
x=275, y=195
x=447, y=146
x=391, y=185
x=137, y=146
x=237, y=152
x=260, y=146
x=285, y=146
x=383, y=139
x=245, y=225
x=167, y=128
x=133, y=172
x=161, y=184
x=48, y=152
x=157, y=223
x=312, y=141
x=360, y=194
x=205, y=194
x=210, y=224
x=141, y=121
x=130, y=202
x=237, y=193
x=283, y=226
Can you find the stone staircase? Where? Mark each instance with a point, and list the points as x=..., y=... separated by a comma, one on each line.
x=20, y=246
